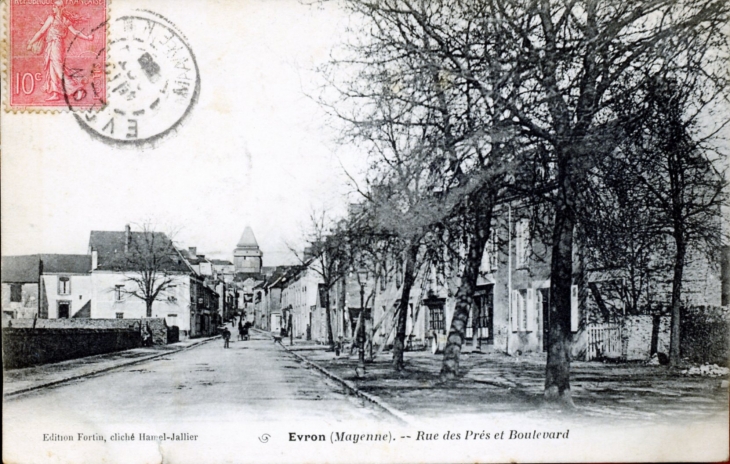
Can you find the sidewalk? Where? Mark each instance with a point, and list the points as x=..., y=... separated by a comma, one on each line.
x=497, y=383
x=17, y=381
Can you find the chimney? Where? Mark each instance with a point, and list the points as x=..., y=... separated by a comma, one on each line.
x=94, y=259
x=127, y=238
x=193, y=251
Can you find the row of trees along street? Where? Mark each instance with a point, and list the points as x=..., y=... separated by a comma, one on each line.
x=599, y=117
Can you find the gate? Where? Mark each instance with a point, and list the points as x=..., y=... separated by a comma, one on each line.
x=604, y=341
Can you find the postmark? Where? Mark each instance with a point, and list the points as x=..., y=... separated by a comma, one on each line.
x=153, y=82
x=57, y=54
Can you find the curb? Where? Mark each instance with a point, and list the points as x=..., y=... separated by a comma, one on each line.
x=100, y=371
x=353, y=388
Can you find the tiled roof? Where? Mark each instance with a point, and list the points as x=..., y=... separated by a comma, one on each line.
x=283, y=275
x=110, y=246
x=221, y=262
x=191, y=258
x=20, y=269
x=72, y=264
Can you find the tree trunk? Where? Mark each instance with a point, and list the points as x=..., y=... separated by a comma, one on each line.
x=328, y=318
x=465, y=293
x=476, y=313
x=679, y=256
x=409, y=278
x=557, y=372
x=342, y=304
x=656, y=321
x=149, y=308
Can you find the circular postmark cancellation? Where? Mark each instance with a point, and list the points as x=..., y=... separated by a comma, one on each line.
x=152, y=82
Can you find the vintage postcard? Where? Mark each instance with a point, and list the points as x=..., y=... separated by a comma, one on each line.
x=351, y=231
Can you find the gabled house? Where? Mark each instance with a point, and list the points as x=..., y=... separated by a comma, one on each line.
x=47, y=286
x=113, y=274
x=67, y=285
x=269, y=311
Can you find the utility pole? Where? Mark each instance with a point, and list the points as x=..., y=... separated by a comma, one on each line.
x=362, y=276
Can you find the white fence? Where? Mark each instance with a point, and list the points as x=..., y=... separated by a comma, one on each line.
x=604, y=340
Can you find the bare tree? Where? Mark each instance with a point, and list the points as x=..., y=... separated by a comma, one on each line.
x=572, y=62
x=430, y=132
x=545, y=72
x=150, y=263
x=685, y=186
x=327, y=255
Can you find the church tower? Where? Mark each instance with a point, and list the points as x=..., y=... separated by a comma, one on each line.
x=247, y=256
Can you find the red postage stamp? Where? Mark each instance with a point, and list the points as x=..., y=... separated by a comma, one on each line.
x=57, y=54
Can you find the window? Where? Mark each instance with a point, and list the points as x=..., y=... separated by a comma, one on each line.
x=120, y=315
x=118, y=292
x=64, y=285
x=16, y=293
x=522, y=242
x=523, y=312
x=436, y=318
x=491, y=250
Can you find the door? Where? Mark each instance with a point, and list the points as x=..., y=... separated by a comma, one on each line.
x=484, y=302
x=64, y=308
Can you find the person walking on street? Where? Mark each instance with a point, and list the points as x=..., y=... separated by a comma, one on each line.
x=226, y=337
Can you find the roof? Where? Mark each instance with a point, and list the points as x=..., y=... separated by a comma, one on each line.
x=283, y=275
x=247, y=240
x=110, y=248
x=72, y=264
x=221, y=262
x=20, y=269
x=26, y=268
x=192, y=258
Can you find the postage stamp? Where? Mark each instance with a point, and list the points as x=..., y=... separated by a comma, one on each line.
x=57, y=54
x=153, y=81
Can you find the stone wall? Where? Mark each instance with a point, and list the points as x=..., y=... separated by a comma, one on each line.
x=705, y=335
x=157, y=326
x=24, y=347
x=637, y=334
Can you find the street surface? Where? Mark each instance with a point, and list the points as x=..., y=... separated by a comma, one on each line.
x=254, y=380
x=255, y=402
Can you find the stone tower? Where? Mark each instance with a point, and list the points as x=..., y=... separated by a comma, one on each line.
x=247, y=256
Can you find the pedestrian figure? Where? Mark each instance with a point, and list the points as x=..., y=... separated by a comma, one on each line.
x=240, y=330
x=226, y=337
x=146, y=335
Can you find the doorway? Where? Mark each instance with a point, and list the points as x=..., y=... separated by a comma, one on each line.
x=484, y=322
x=64, y=309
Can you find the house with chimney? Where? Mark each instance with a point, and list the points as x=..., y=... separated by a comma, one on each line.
x=185, y=302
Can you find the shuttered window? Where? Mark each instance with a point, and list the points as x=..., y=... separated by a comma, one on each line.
x=523, y=314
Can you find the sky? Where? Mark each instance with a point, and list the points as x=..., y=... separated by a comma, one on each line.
x=255, y=150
